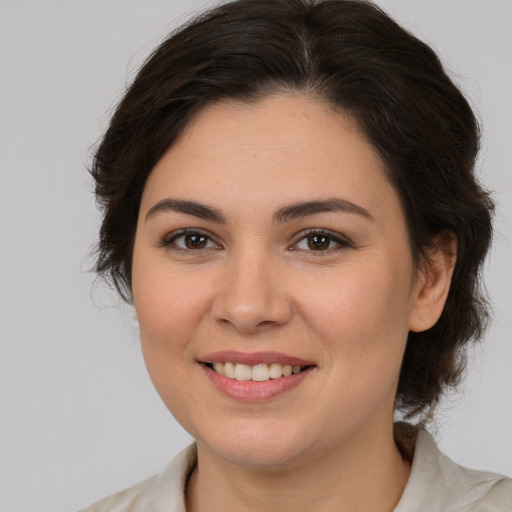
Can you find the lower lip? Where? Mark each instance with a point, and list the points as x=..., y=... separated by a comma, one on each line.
x=253, y=391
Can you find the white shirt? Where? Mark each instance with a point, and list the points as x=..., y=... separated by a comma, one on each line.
x=436, y=484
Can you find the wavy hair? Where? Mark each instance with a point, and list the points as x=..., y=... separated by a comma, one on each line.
x=352, y=54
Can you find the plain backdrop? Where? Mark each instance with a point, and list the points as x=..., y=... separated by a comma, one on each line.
x=79, y=418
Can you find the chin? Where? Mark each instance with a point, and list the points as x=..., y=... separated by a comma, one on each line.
x=257, y=448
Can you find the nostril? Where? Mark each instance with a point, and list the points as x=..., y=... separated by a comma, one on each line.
x=252, y=315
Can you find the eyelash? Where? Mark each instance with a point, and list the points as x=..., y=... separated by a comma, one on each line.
x=170, y=240
x=341, y=242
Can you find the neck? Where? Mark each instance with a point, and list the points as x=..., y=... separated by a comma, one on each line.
x=366, y=474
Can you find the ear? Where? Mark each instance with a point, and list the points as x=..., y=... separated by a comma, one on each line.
x=433, y=283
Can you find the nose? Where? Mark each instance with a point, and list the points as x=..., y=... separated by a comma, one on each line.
x=253, y=296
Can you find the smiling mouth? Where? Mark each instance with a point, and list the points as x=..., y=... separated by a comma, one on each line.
x=258, y=373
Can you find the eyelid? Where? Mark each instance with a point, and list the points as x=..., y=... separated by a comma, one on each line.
x=337, y=238
x=169, y=239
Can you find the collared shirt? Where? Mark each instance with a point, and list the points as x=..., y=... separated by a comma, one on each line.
x=436, y=484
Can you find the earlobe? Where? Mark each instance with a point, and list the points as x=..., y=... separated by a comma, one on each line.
x=433, y=283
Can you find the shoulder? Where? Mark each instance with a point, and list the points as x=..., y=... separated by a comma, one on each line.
x=439, y=484
x=160, y=492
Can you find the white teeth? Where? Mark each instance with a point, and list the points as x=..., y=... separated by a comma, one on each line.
x=275, y=371
x=243, y=372
x=258, y=373
x=219, y=368
x=229, y=370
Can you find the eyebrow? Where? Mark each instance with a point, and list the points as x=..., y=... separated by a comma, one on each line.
x=304, y=209
x=284, y=214
x=189, y=207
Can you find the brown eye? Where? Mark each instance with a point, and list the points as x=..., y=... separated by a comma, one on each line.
x=190, y=241
x=195, y=241
x=318, y=242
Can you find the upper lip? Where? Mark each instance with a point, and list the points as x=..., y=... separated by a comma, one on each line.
x=254, y=358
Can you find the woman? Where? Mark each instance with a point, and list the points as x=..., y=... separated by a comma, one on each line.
x=290, y=204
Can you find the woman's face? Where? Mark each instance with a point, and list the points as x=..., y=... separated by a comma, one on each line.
x=270, y=238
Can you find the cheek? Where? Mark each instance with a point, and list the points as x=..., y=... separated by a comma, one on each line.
x=362, y=328
x=360, y=315
x=361, y=298
x=169, y=306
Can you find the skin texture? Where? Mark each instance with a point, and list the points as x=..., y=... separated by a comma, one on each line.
x=256, y=285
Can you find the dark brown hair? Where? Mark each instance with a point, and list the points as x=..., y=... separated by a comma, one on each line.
x=353, y=55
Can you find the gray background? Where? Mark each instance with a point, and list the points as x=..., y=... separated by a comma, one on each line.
x=79, y=418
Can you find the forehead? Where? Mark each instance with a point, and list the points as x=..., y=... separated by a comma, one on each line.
x=271, y=152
